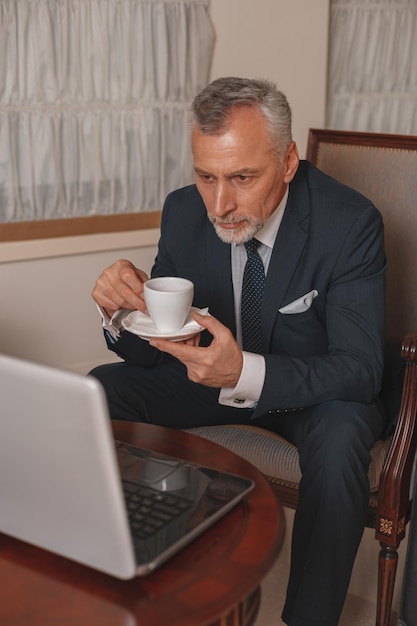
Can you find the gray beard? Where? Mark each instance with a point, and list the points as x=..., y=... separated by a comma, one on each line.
x=237, y=237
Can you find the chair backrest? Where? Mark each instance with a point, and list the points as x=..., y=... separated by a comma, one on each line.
x=384, y=169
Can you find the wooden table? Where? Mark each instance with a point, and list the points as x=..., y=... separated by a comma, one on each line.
x=212, y=582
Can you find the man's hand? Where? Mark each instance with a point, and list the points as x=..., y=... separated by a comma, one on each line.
x=218, y=365
x=120, y=286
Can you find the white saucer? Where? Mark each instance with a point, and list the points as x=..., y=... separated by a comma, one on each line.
x=140, y=324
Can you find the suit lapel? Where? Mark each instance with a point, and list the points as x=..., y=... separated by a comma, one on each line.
x=288, y=247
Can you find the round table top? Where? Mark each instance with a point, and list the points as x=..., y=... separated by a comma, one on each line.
x=204, y=581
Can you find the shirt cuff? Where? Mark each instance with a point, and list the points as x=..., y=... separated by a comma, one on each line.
x=113, y=325
x=249, y=386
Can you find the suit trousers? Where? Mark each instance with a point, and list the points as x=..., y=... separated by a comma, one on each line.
x=333, y=438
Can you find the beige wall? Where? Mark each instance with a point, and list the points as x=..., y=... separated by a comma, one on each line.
x=282, y=40
x=46, y=312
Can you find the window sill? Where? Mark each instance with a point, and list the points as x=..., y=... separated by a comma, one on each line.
x=62, y=237
x=12, y=251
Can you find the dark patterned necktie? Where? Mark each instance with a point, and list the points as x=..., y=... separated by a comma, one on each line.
x=252, y=291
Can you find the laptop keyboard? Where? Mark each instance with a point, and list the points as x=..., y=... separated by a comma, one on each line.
x=150, y=510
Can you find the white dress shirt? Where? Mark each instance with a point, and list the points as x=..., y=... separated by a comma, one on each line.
x=249, y=386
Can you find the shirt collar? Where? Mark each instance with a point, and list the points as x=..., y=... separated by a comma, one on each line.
x=269, y=230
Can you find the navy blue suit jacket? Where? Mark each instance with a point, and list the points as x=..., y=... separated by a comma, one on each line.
x=330, y=240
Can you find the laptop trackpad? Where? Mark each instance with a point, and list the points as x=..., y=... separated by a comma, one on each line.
x=149, y=468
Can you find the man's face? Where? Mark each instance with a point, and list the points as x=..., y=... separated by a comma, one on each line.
x=239, y=175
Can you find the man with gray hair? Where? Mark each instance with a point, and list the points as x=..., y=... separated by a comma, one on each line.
x=291, y=265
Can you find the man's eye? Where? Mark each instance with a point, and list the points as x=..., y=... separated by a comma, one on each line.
x=242, y=178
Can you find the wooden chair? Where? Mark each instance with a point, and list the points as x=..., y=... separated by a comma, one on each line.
x=383, y=168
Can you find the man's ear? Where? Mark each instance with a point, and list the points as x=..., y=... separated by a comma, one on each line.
x=291, y=162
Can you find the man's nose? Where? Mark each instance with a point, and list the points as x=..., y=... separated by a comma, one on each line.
x=223, y=200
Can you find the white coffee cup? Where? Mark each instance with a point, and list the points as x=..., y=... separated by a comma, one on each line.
x=168, y=300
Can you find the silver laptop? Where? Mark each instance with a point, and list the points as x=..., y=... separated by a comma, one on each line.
x=67, y=486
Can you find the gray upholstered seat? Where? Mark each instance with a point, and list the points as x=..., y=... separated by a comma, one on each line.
x=274, y=456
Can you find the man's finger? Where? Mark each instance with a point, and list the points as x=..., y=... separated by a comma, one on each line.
x=179, y=350
x=210, y=323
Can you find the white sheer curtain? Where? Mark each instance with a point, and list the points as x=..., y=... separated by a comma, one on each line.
x=373, y=66
x=94, y=102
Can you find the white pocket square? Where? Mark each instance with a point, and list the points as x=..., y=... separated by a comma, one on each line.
x=301, y=304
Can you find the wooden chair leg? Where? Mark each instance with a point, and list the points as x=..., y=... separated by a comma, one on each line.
x=387, y=569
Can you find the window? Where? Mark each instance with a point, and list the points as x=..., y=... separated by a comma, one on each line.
x=94, y=102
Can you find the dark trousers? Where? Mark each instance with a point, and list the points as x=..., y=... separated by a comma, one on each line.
x=333, y=438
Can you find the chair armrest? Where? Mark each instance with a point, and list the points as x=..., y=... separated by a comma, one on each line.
x=393, y=509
